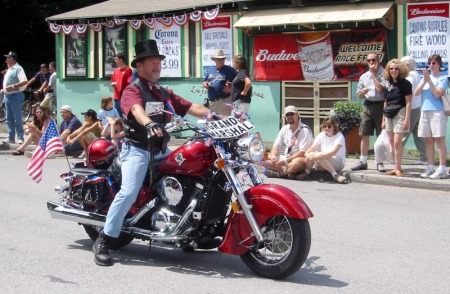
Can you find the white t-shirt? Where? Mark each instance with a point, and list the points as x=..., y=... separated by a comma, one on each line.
x=414, y=79
x=328, y=143
x=303, y=141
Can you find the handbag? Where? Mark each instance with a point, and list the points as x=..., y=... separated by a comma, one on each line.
x=446, y=101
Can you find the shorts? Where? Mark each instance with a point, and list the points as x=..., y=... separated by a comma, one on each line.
x=395, y=124
x=432, y=124
x=76, y=146
x=336, y=162
x=47, y=101
x=371, y=118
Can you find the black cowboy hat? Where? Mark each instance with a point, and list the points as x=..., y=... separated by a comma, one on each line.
x=144, y=49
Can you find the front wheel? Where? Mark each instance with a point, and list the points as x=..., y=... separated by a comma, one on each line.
x=285, y=249
x=123, y=240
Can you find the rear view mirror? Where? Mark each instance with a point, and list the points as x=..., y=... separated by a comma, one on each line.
x=152, y=108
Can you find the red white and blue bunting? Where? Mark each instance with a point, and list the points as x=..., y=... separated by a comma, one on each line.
x=136, y=24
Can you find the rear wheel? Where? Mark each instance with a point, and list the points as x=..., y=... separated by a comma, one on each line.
x=123, y=240
x=26, y=110
x=2, y=113
x=285, y=250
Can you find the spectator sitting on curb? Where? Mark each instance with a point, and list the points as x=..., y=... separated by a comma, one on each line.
x=296, y=138
x=70, y=123
x=327, y=152
x=35, y=130
x=88, y=132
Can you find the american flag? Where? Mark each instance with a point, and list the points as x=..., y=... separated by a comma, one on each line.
x=49, y=143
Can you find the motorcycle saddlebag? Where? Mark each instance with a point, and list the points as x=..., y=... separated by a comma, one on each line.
x=89, y=190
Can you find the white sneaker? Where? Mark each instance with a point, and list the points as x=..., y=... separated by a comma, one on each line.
x=439, y=174
x=427, y=173
x=20, y=142
x=83, y=155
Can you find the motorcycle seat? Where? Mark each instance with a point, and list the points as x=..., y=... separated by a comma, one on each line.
x=84, y=172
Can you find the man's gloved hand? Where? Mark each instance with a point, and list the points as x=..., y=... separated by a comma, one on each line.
x=154, y=129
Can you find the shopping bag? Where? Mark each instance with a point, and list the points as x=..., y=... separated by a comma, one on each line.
x=382, y=148
x=446, y=101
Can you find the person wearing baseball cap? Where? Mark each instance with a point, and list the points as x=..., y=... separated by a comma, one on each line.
x=70, y=123
x=294, y=138
x=13, y=82
x=39, y=82
x=218, y=80
x=89, y=131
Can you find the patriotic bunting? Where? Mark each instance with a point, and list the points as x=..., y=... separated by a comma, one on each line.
x=67, y=29
x=54, y=28
x=180, y=20
x=120, y=21
x=81, y=28
x=211, y=14
x=167, y=21
x=149, y=22
x=96, y=27
x=136, y=24
x=196, y=16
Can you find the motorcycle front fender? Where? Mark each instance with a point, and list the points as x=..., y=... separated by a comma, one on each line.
x=266, y=201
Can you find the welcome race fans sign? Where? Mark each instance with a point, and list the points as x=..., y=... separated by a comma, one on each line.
x=316, y=55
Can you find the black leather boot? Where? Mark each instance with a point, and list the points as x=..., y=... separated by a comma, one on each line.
x=101, y=250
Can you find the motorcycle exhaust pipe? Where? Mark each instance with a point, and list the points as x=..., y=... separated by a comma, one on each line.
x=58, y=211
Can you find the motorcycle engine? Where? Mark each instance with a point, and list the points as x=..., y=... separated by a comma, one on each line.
x=170, y=192
x=164, y=220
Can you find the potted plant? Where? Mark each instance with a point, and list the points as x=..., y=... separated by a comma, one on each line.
x=347, y=114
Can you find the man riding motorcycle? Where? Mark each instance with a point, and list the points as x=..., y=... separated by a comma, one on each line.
x=139, y=127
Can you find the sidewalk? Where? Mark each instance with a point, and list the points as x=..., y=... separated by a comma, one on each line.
x=370, y=176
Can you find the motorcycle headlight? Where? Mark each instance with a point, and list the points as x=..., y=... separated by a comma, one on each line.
x=251, y=148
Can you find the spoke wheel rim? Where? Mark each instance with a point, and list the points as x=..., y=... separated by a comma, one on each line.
x=278, y=245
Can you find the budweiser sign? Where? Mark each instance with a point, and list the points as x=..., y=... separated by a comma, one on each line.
x=276, y=58
x=265, y=55
x=431, y=9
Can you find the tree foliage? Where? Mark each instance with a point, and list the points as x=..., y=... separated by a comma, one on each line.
x=24, y=30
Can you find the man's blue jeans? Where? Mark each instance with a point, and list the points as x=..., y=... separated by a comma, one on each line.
x=134, y=168
x=13, y=103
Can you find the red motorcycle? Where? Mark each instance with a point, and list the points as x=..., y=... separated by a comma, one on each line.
x=206, y=194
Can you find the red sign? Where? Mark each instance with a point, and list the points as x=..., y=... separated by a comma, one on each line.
x=428, y=9
x=316, y=55
x=218, y=22
x=276, y=58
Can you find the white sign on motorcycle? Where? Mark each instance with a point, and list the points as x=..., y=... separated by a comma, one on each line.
x=227, y=128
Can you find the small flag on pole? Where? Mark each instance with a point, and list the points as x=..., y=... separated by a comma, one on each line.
x=49, y=143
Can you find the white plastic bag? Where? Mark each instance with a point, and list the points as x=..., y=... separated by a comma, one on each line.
x=382, y=148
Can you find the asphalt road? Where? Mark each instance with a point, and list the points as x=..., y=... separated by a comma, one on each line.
x=365, y=239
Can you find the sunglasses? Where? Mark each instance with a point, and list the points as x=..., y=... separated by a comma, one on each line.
x=432, y=62
x=372, y=60
x=289, y=114
x=394, y=68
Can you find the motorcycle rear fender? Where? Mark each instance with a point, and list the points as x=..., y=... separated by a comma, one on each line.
x=267, y=200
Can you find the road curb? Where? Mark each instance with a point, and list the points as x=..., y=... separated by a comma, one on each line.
x=415, y=183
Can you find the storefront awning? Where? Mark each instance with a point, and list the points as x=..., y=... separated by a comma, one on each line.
x=121, y=8
x=310, y=16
